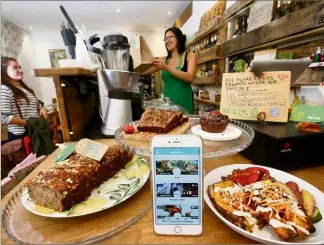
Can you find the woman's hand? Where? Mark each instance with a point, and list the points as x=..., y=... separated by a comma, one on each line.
x=160, y=64
x=43, y=113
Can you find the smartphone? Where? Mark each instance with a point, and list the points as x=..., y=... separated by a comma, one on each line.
x=177, y=184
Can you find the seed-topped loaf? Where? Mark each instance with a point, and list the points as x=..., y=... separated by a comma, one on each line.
x=68, y=183
x=158, y=121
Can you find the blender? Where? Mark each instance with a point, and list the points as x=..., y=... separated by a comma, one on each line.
x=119, y=81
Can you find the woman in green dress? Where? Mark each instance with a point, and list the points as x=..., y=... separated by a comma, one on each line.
x=178, y=69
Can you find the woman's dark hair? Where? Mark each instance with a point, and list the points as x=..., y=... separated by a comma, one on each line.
x=180, y=38
x=5, y=80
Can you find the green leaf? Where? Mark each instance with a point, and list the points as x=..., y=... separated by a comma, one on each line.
x=115, y=196
x=123, y=187
x=134, y=183
x=134, y=190
x=114, y=191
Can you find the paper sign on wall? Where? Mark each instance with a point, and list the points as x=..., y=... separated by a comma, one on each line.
x=248, y=97
x=260, y=14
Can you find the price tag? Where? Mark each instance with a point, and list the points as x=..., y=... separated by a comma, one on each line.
x=91, y=149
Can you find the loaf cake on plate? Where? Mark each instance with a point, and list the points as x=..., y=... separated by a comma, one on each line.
x=66, y=184
x=160, y=121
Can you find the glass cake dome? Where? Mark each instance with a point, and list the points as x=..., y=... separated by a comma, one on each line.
x=164, y=103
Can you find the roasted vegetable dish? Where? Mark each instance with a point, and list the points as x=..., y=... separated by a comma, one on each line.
x=251, y=199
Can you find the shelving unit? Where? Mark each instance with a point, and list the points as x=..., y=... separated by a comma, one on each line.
x=314, y=65
x=207, y=101
x=211, y=54
x=206, y=32
x=208, y=80
x=299, y=33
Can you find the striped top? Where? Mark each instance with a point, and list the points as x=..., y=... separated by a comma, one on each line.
x=9, y=109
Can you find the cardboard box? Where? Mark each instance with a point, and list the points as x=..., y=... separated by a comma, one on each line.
x=141, y=54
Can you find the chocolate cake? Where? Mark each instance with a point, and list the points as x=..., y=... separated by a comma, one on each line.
x=66, y=184
x=214, y=123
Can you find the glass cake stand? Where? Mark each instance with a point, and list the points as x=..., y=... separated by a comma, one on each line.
x=212, y=149
x=24, y=227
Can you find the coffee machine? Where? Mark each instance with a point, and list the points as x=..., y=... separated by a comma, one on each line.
x=121, y=94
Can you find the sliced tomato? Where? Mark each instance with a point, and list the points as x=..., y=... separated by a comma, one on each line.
x=249, y=175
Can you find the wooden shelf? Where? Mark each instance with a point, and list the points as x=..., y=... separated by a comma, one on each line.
x=209, y=54
x=207, y=101
x=70, y=71
x=285, y=29
x=296, y=85
x=235, y=8
x=206, y=33
x=207, y=80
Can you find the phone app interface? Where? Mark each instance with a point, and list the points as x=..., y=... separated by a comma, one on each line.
x=177, y=185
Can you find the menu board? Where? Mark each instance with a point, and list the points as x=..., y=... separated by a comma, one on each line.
x=246, y=96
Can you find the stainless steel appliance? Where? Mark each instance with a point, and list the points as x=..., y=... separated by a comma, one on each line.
x=119, y=86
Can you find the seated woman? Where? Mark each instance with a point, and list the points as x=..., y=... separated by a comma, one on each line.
x=178, y=69
x=18, y=101
x=18, y=104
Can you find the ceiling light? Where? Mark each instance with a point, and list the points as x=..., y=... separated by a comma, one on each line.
x=169, y=13
x=30, y=27
x=118, y=10
x=159, y=29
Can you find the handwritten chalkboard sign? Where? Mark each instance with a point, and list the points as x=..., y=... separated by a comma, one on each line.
x=248, y=97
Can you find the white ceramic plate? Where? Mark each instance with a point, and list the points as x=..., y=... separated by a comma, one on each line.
x=266, y=235
x=122, y=186
x=230, y=133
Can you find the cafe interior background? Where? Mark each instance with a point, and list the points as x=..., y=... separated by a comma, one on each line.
x=225, y=38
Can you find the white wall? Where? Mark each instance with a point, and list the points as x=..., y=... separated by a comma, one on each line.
x=34, y=54
x=26, y=59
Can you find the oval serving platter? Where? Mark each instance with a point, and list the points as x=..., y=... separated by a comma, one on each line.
x=266, y=235
x=125, y=183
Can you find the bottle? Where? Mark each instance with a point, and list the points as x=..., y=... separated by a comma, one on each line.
x=278, y=13
x=287, y=9
x=215, y=40
x=296, y=5
x=207, y=45
x=206, y=69
x=235, y=34
x=306, y=4
x=317, y=56
x=322, y=56
x=283, y=7
x=239, y=32
x=244, y=23
x=211, y=41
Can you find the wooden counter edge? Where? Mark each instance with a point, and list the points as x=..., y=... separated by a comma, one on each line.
x=68, y=71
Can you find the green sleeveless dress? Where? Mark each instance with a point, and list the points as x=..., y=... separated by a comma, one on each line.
x=177, y=90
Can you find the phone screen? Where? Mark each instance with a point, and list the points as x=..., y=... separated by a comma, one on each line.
x=177, y=185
